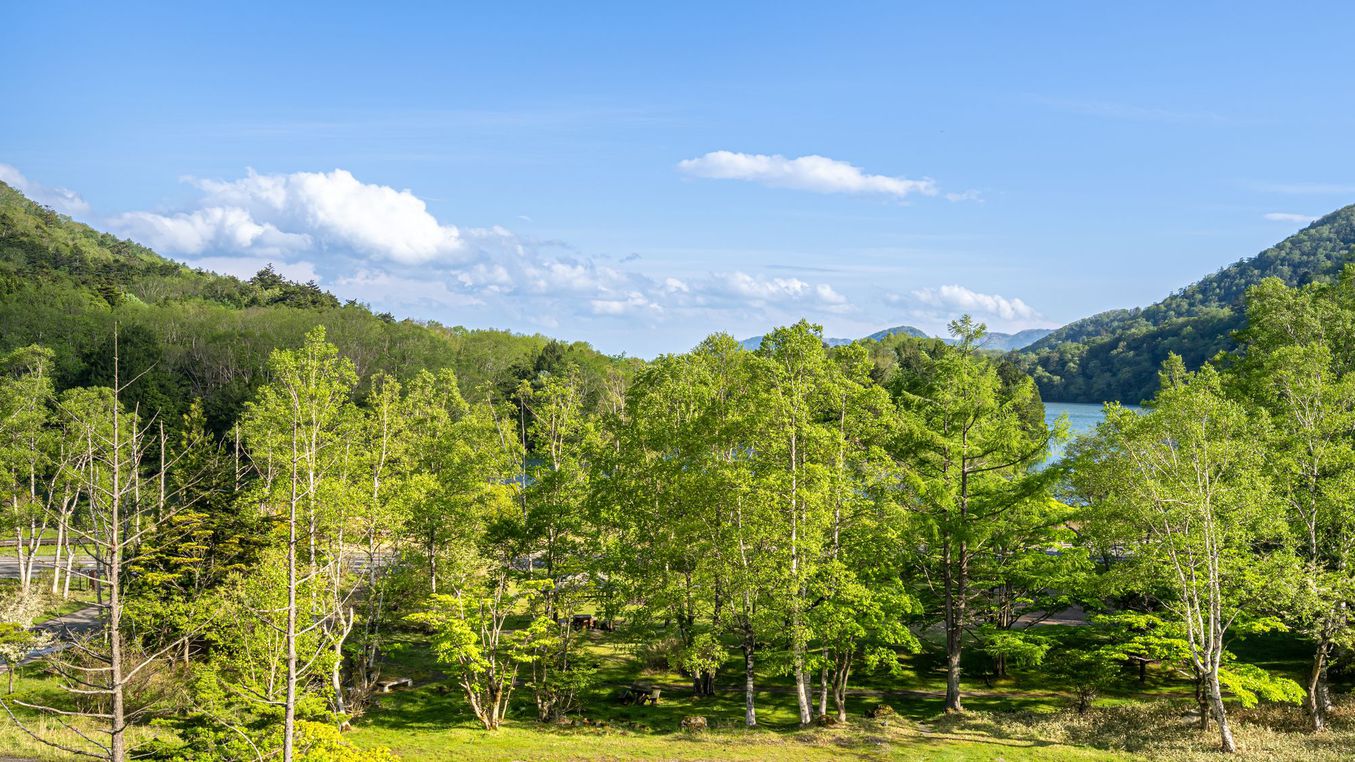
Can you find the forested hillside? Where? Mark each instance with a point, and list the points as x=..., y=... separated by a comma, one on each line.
x=1115, y=355
x=199, y=335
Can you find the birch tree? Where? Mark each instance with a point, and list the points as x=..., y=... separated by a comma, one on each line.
x=1297, y=367
x=26, y=394
x=793, y=453
x=296, y=431
x=1189, y=495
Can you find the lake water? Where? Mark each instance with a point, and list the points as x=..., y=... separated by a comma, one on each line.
x=1082, y=418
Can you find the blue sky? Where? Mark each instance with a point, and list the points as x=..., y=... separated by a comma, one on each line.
x=640, y=177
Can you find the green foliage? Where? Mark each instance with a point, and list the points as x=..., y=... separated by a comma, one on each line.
x=1250, y=684
x=1022, y=648
x=1114, y=356
x=520, y=511
x=703, y=658
x=191, y=334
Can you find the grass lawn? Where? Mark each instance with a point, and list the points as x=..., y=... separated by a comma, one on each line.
x=34, y=686
x=866, y=741
x=429, y=723
x=432, y=722
x=1021, y=717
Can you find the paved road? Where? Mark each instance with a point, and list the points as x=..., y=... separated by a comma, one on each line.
x=9, y=565
x=74, y=624
x=77, y=622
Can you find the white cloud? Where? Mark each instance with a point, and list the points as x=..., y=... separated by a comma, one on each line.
x=384, y=247
x=631, y=304
x=969, y=195
x=812, y=173
x=62, y=200
x=276, y=213
x=247, y=267
x=954, y=300
x=758, y=290
x=216, y=228
x=1289, y=217
x=380, y=287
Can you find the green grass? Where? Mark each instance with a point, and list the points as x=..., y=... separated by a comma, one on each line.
x=432, y=721
x=33, y=685
x=1024, y=716
x=432, y=724
x=863, y=742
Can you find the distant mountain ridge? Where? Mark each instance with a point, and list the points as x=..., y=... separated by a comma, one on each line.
x=1010, y=342
x=753, y=342
x=1115, y=355
x=995, y=340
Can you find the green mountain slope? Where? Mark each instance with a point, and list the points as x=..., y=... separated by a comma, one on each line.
x=190, y=334
x=1115, y=355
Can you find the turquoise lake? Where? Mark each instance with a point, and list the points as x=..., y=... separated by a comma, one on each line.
x=1082, y=418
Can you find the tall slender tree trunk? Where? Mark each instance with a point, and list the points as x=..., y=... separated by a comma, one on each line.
x=749, y=679
x=1315, y=704
x=117, y=747
x=1202, y=700
x=70, y=565
x=56, y=559
x=20, y=550
x=823, y=691
x=956, y=594
x=289, y=715
x=803, y=695
x=117, y=742
x=1215, y=697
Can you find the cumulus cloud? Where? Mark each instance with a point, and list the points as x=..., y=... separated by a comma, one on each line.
x=63, y=200
x=954, y=300
x=215, y=228
x=272, y=214
x=1289, y=217
x=630, y=304
x=743, y=288
x=819, y=174
x=377, y=286
x=384, y=246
